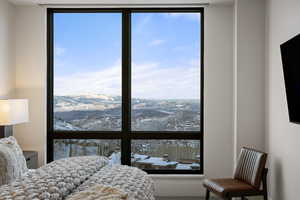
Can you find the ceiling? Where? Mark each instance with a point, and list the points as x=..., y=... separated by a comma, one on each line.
x=35, y=2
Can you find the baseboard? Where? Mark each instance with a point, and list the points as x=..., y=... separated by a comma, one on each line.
x=202, y=198
x=257, y=198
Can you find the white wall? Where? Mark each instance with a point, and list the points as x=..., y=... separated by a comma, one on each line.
x=243, y=97
x=218, y=106
x=282, y=137
x=7, y=49
x=249, y=78
x=232, y=87
x=31, y=71
x=218, y=91
x=31, y=83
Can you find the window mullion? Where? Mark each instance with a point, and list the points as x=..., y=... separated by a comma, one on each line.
x=50, y=52
x=126, y=89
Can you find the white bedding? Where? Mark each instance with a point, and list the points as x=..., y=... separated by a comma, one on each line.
x=62, y=179
x=130, y=180
x=100, y=192
x=54, y=181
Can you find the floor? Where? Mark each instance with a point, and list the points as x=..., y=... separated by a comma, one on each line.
x=200, y=198
x=182, y=198
x=179, y=198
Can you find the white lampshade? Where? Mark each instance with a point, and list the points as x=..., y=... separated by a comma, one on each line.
x=13, y=111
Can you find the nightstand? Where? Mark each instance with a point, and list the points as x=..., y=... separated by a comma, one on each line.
x=31, y=158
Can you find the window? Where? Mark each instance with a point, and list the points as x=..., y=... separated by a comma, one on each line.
x=127, y=84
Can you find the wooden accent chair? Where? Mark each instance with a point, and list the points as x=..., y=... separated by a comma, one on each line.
x=249, y=173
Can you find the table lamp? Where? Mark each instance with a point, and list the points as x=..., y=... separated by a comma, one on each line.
x=12, y=111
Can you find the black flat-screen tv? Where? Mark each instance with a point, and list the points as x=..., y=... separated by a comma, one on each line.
x=290, y=55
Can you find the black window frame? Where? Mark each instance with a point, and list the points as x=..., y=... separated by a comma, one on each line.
x=126, y=134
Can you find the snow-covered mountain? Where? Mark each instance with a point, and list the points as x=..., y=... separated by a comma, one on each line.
x=85, y=102
x=104, y=112
x=60, y=124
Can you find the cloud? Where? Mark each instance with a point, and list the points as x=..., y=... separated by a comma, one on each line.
x=189, y=16
x=106, y=81
x=59, y=51
x=149, y=80
x=156, y=42
x=159, y=82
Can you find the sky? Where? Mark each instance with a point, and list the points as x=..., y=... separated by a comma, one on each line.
x=165, y=54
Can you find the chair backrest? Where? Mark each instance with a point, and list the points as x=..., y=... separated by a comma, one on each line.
x=250, y=166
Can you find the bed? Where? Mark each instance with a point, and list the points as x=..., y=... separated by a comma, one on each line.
x=86, y=177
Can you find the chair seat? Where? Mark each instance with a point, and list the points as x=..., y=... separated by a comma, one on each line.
x=223, y=187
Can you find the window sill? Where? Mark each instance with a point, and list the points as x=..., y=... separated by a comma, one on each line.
x=177, y=176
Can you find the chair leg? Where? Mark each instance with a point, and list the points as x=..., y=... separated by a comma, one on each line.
x=265, y=186
x=265, y=191
x=207, y=194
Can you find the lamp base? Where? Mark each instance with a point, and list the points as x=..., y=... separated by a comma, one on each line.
x=6, y=131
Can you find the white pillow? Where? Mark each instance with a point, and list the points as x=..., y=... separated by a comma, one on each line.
x=12, y=161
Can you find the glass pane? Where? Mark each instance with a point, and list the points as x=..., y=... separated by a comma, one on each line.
x=166, y=71
x=87, y=71
x=64, y=148
x=166, y=154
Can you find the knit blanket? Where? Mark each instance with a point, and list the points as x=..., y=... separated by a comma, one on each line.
x=100, y=192
x=54, y=181
x=129, y=180
x=75, y=177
